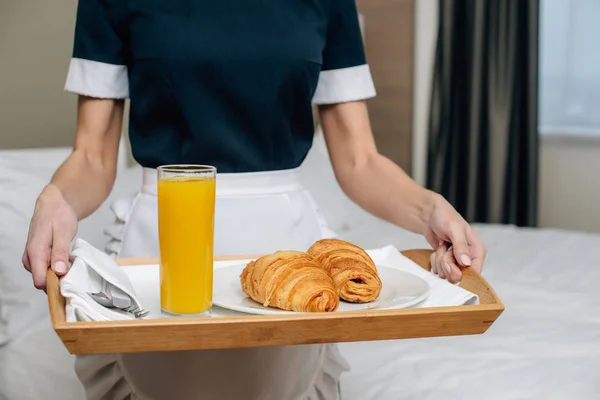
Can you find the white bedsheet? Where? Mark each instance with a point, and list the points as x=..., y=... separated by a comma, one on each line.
x=546, y=345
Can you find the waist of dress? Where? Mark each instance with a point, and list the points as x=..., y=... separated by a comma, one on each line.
x=246, y=183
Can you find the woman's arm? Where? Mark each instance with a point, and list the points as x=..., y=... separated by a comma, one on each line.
x=86, y=177
x=382, y=188
x=77, y=189
x=371, y=180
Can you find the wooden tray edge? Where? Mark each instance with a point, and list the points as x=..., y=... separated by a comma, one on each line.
x=437, y=321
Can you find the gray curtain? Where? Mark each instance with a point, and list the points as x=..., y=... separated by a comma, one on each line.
x=483, y=138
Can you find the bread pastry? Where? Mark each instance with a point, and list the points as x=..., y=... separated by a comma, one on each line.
x=353, y=272
x=290, y=280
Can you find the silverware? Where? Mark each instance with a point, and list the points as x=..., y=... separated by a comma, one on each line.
x=136, y=311
x=120, y=298
x=106, y=299
x=102, y=297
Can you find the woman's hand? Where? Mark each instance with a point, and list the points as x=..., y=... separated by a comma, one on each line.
x=382, y=188
x=455, y=242
x=79, y=186
x=52, y=228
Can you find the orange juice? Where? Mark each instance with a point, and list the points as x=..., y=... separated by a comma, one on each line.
x=186, y=208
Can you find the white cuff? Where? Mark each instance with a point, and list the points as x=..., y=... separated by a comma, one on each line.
x=97, y=79
x=344, y=84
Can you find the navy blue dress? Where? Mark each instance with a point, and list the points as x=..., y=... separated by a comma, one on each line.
x=227, y=83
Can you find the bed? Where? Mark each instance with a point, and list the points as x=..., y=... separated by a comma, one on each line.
x=546, y=345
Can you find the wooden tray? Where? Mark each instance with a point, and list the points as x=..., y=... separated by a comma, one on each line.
x=170, y=334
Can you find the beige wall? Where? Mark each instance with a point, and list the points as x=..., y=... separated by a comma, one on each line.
x=570, y=183
x=35, y=46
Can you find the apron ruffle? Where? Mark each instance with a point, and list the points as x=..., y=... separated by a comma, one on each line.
x=122, y=209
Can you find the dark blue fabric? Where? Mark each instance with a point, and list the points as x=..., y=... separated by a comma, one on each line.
x=100, y=32
x=344, y=38
x=225, y=83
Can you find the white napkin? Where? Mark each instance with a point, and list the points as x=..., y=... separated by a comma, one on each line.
x=441, y=292
x=90, y=267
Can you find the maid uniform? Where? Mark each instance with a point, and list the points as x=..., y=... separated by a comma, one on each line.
x=231, y=84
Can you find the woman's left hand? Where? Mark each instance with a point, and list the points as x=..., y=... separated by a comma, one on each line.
x=382, y=188
x=455, y=242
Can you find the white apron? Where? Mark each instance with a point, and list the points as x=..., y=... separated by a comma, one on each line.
x=255, y=213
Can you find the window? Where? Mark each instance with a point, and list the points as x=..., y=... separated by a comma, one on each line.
x=569, y=97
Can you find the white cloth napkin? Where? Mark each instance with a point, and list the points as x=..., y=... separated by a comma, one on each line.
x=441, y=292
x=90, y=267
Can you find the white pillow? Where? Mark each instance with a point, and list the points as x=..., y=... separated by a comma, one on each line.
x=23, y=174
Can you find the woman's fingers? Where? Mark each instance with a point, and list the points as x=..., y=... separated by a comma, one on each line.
x=432, y=262
x=25, y=260
x=437, y=266
x=444, y=265
x=453, y=271
x=38, y=253
x=478, y=250
x=442, y=273
x=460, y=244
x=60, y=252
x=52, y=227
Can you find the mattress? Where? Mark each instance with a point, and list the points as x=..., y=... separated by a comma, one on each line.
x=38, y=367
x=546, y=345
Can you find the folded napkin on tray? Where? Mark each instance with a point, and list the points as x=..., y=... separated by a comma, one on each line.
x=441, y=292
x=90, y=268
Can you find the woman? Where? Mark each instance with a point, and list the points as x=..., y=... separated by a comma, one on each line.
x=228, y=84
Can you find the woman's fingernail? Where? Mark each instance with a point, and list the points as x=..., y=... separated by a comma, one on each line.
x=466, y=260
x=447, y=269
x=60, y=267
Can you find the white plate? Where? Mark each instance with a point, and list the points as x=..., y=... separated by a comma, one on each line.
x=399, y=290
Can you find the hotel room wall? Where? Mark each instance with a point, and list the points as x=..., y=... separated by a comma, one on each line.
x=36, y=39
x=569, y=187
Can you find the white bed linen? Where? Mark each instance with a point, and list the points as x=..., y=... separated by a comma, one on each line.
x=546, y=345
x=33, y=362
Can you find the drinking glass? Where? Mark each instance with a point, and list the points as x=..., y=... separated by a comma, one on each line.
x=186, y=213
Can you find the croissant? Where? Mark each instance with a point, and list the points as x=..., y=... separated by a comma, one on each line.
x=290, y=280
x=354, y=273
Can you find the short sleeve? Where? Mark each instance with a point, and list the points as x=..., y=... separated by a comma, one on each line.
x=345, y=75
x=98, y=67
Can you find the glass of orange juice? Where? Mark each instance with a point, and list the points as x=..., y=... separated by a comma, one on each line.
x=186, y=213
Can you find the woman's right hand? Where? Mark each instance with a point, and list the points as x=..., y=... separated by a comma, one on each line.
x=52, y=228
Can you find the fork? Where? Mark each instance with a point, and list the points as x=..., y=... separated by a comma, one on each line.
x=136, y=311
